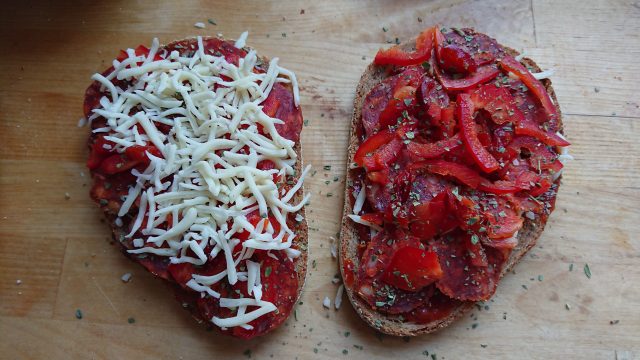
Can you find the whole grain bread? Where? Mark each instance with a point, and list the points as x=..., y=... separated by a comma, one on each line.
x=300, y=228
x=392, y=324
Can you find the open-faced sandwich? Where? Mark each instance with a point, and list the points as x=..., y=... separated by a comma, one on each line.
x=455, y=164
x=195, y=160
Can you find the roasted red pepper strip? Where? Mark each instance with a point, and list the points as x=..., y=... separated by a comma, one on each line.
x=412, y=269
x=499, y=187
x=384, y=156
x=403, y=98
x=374, y=218
x=397, y=56
x=470, y=137
x=509, y=63
x=461, y=172
x=528, y=127
x=434, y=150
x=480, y=76
x=372, y=144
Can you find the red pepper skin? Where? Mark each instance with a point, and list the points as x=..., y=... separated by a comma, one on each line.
x=498, y=102
x=399, y=57
x=456, y=60
x=529, y=128
x=510, y=64
x=372, y=144
x=403, y=98
x=467, y=125
x=480, y=76
x=99, y=152
x=462, y=173
x=379, y=177
x=412, y=269
x=434, y=150
x=384, y=156
x=432, y=218
x=374, y=218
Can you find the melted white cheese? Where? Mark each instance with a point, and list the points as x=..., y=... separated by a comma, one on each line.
x=203, y=182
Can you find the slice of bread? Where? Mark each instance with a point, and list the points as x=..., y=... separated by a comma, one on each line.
x=159, y=263
x=392, y=324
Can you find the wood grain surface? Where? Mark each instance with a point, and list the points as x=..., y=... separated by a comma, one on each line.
x=53, y=241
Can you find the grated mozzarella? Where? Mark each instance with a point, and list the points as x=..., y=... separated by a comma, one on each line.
x=204, y=181
x=338, y=301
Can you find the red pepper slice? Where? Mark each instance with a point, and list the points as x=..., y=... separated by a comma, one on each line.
x=432, y=218
x=380, y=177
x=434, y=150
x=480, y=76
x=403, y=98
x=99, y=152
x=462, y=173
x=508, y=63
x=498, y=102
x=541, y=158
x=499, y=187
x=138, y=153
x=374, y=218
x=372, y=144
x=384, y=156
x=528, y=127
x=397, y=56
x=412, y=269
x=470, y=137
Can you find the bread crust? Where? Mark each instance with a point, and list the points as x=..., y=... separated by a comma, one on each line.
x=390, y=324
x=300, y=242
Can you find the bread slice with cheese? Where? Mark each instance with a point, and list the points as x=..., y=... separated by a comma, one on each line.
x=196, y=162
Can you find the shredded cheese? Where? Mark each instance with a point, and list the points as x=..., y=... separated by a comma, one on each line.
x=194, y=199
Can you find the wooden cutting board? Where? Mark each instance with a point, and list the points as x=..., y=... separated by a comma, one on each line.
x=53, y=241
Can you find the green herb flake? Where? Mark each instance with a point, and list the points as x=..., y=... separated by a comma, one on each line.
x=359, y=347
x=314, y=264
x=315, y=350
x=567, y=306
x=131, y=320
x=327, y=167
x=571, y=267
x=78, y=314
x=329, y=194
x=410, y=135
x=347, y=334
x=540, y=277
x=407, y=102
x=345, y=351
x=474, y=239
x=426, y=66
x=211, y=21
x=267, y=271
x=247, y=353
x=306, y=122
x=385, y=29
x=587, y=271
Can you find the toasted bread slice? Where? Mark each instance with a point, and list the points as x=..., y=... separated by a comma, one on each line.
x=158, y=265
x=392, y=324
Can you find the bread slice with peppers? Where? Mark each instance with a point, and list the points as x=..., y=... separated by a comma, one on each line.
x=454, y=166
